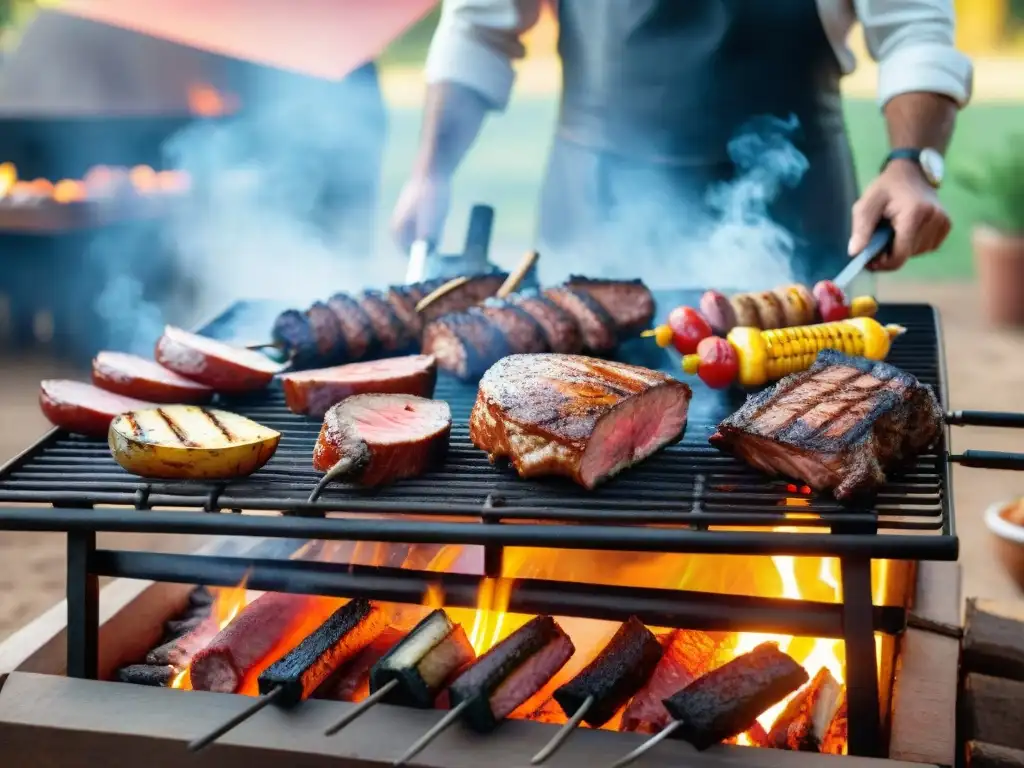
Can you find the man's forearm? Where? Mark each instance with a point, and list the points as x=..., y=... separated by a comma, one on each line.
x=452, y=119
x=918, y=120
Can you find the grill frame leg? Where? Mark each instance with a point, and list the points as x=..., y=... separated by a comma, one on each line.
x=83, y=598
x=862, y=691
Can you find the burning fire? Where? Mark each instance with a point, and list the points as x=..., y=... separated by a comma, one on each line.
x=228, y=602
x=99, y=183
x=490, y=622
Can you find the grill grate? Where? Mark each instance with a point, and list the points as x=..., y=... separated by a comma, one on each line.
x=689, y=484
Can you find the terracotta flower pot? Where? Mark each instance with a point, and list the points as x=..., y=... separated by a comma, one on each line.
x=1000, y=261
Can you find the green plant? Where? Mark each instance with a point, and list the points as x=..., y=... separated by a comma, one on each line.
x=997, y=183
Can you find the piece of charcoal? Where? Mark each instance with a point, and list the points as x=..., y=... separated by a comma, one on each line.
x=178, y=627
x=147, y=674
x=201, y=596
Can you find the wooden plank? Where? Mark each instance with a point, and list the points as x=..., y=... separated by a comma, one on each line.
x=993, y=710
x=47, y=720
x=982, y=755
x=938, y=606
x=994, y=639
x=924, y=699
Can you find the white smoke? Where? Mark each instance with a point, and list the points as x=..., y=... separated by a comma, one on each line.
x=721, y=237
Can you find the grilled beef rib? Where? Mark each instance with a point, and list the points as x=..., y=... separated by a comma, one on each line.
x=836, y=426
x=575, y=416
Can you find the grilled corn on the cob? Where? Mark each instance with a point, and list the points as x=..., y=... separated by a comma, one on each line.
x=769, y=355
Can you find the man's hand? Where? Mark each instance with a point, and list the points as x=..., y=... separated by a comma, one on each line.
x=421, y=210
x=901, y=194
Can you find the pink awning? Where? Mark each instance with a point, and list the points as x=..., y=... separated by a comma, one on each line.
x=322, y=38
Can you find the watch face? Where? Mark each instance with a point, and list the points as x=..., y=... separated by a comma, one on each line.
x=933, y=166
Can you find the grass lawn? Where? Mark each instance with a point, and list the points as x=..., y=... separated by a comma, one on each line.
x=506, y=166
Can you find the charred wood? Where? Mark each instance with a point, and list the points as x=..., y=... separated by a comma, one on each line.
x=993, y=710
x=982, y=755
x=147, y=674
x=201, y=596
x=804, y=723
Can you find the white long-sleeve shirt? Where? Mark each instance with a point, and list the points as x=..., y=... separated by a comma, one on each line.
x=912, y=41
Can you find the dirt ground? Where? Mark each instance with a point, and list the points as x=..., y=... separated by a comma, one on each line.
x=986, y=372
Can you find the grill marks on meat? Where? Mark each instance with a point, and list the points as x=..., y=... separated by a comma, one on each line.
x=837, y=426
x=355, y=326
x=561, y=332
x=597, y=327
x=628, y=302
x=575, y=416
x=377, y=439
x=465, y=344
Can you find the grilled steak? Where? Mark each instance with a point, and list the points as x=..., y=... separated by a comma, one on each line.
x=389, y=329
x=376, y=439
x=405, y=308
x=837, y=426
x=575, y=416
x=523, y=333
x=560, y=330
x=596, y=326
x=629, y=302
x=465, y=343
x=311, y=393
x=355, y=326
x=330, y=339
x=467, y=295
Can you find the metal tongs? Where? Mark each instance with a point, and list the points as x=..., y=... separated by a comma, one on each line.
x=880, y=242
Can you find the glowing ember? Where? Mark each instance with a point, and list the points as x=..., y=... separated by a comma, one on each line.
x=99, y=182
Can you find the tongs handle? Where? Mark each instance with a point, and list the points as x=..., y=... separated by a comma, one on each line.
x=1003, y=419
x=989, y=460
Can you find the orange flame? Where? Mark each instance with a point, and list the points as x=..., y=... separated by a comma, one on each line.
x=98, y=182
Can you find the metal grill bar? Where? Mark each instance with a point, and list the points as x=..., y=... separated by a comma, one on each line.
x=656, y=607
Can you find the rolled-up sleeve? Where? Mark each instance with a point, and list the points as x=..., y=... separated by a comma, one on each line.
x=913, y=43
x=475, y=43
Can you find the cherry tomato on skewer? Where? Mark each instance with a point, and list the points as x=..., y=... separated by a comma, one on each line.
x=685, y=329
x=715, y=361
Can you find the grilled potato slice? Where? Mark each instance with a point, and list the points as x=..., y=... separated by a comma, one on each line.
x=190, y=442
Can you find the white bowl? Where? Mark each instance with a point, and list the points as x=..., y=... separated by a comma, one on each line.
x=1007, y=539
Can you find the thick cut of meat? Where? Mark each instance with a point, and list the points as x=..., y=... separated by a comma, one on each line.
x=524, y=334
x=600, y=334
x=405, y=308
x=469, y=294
x=837, y=426
x=389, y=329
x=629, y=302
x=311, y=393
x=575, y=416
x=83, y=408
x=355, y=325
x=328, y=334
x=134, y=376
x=465, y=344
x=376, y=439
x=560, y=330
x=218, y=365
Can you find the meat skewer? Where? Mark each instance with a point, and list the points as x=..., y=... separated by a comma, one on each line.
x=376, y=439
x=502, y=679
x=417, y=669
x=727, y=701
x=594, y=695
x=353, y=677
x=299, y=673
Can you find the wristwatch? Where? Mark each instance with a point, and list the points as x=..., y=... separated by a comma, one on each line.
x=929, y=160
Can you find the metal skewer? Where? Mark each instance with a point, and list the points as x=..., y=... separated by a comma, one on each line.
x=440, y=727
x=564, y=732
x=241, y=717
x=640, y=751
x=362, y=707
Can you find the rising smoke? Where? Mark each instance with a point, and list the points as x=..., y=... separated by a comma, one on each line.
x=676, y=235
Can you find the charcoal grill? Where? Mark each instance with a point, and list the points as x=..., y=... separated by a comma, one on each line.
x=688, y=499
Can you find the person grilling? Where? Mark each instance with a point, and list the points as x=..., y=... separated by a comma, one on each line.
x=657, y=96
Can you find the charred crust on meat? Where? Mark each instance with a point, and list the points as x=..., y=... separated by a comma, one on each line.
x=469, y=294
x=292, y=332
x=850, y=417
x=477, y=684
x=619, y=671
x=560, y=329
x=388, y=326
x=311, y=662
x=481, y=343
x=327, y=333
x=405, y=308
x=360, y=338
x=727, y=701
x=596, y=325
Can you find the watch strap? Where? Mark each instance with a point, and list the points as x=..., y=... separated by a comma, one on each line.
x=902, y=153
